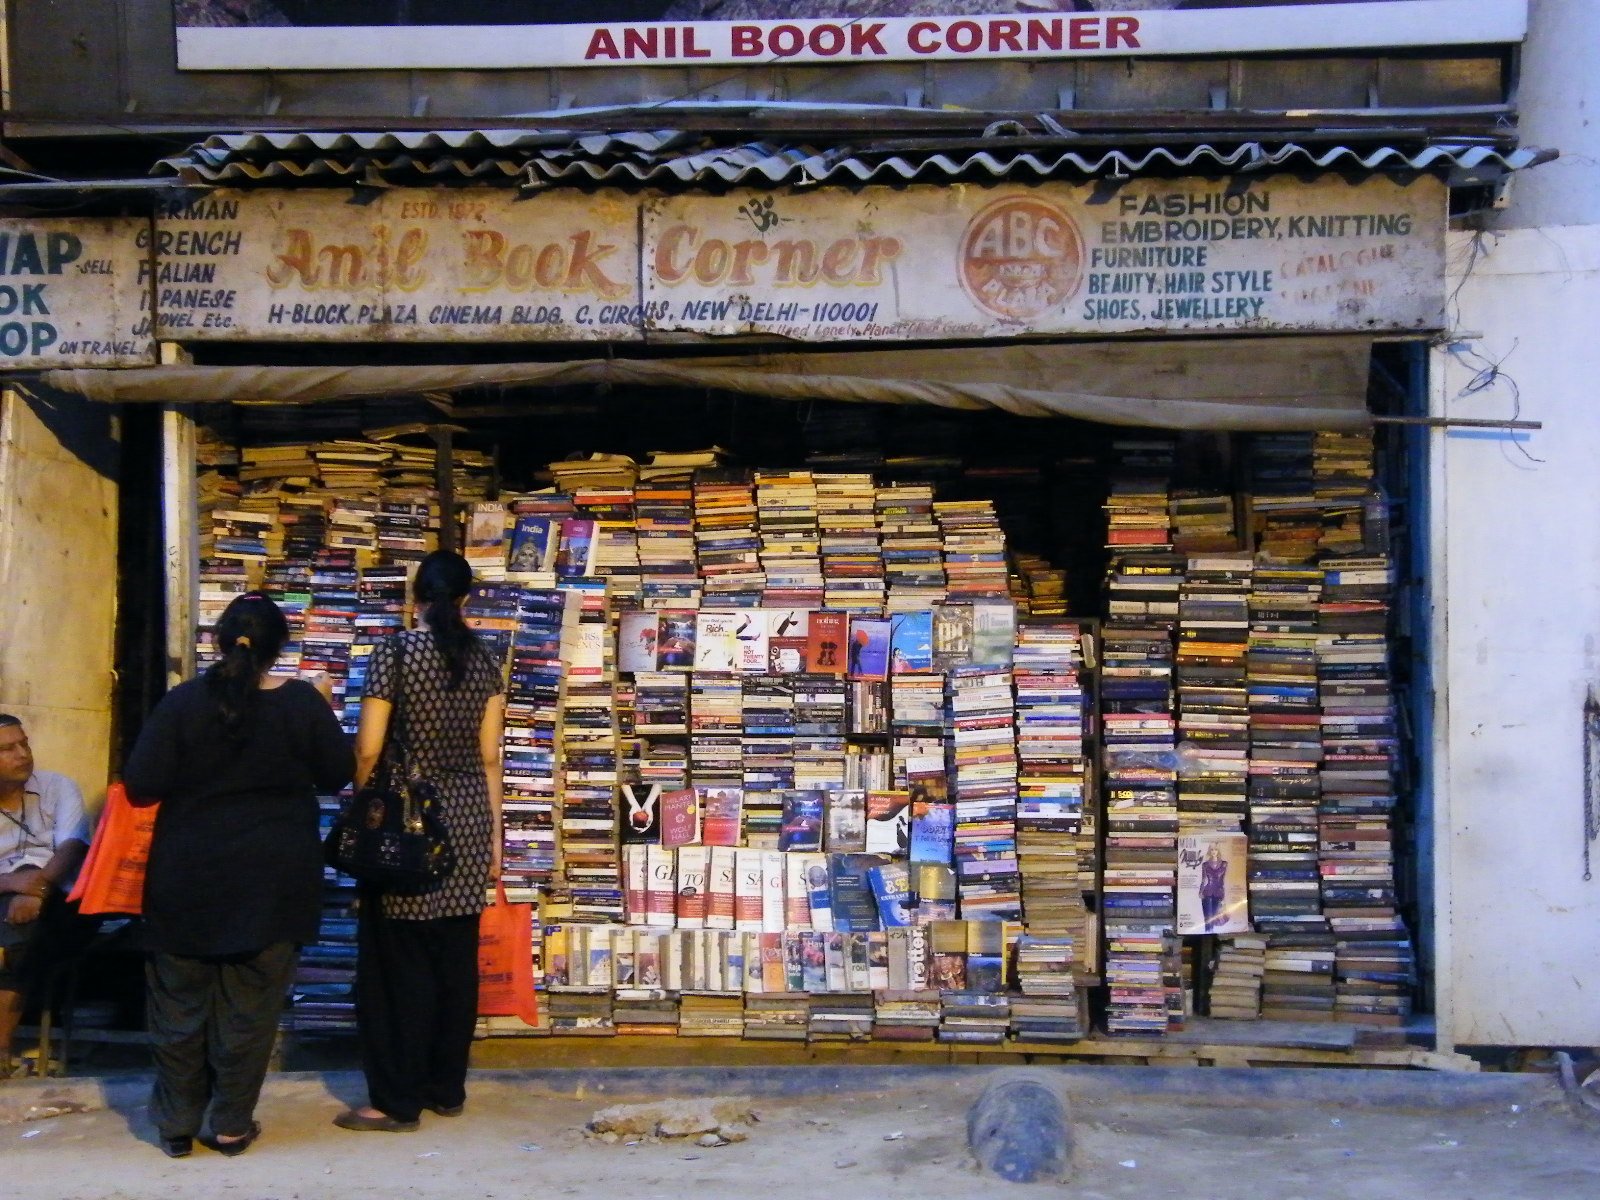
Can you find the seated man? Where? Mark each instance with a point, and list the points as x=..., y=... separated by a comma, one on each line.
x=43, y=837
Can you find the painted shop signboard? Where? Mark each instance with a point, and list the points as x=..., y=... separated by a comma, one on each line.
x=878, y=264
x=975, y=262
x=70, y=292
x=334, y=35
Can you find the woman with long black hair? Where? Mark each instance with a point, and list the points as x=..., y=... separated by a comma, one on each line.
x=443, y=695
x=233, y=887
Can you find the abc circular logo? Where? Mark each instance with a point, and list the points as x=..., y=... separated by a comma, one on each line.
x=1021, y=257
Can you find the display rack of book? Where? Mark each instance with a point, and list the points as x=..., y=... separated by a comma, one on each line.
x=1139, y=746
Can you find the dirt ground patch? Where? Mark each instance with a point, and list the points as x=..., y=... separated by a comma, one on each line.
x=907, y=1142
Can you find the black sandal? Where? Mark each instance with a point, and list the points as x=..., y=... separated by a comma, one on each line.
x=237, y=1145
x=177, y=1147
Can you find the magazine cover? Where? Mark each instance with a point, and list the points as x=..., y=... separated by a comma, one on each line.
x=1212, y=892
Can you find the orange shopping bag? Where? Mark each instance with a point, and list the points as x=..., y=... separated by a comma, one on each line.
x=111, y=879
x=505, y=960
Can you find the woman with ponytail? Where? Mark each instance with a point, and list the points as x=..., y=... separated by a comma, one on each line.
x=442, y=693
x=234, y=883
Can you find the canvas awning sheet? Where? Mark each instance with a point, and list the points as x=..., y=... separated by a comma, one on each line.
x=1228, y=384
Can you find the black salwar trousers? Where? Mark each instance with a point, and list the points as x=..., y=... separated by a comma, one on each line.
x=416, y=1009
x=213, y=1022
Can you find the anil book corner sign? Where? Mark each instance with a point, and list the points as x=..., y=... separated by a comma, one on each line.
x=224, y=35
x=877, y=264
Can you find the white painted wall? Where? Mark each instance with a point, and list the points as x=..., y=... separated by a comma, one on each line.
x=1516, y=546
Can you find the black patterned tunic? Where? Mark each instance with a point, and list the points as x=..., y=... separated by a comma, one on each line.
x=440, y=730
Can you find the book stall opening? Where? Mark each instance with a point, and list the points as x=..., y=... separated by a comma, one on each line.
x=886, y=726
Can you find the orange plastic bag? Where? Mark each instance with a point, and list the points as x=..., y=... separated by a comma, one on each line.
x=505, y=960
x=111, y=879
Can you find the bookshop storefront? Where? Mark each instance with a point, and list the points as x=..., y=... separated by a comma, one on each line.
x=978, y=609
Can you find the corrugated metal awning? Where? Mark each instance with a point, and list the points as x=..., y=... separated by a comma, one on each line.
x=679, y=158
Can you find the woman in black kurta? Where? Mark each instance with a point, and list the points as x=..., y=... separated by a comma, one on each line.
x=417, y=958
x=234, y=882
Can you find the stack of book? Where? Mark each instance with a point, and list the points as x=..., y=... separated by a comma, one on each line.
x=777, y=1016
x=1050, y=704
x=974, y=550
x=716, y=743
x=984, y=782
x=664, y=511
x=852, y=558
x=529, y=748
x=1342, y=470
x=1235, y=987
x=974, y=1018
x=1374, y=970
x=1043, y=587
x=726, y=542
x=791, y=541
x=1213, y=702
x=1297, y=979
x=330, y=629
x=701, y=1015
x=1051, y=1007
x=616, y=540
x=913, y=559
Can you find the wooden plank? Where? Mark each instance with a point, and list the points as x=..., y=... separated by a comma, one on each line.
x=1307, y=1035
x=180, y=515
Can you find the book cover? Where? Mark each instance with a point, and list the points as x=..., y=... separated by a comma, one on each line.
x=857, y=970
x=1213, y=896
x=919, y=975
x=575, y=556
x=825, y=643
x=680, y=817
x=773, y=893
x=636, y=641
x=802, y=821
x=624, y=955
x=661, y=885
x=877, y=961
x=755, y=979
x=952, y=636
x=486, y=535
x=794, y=961
x=721, y=815
x=911, y=643
x=847, y=820
x=819, y=891
x=773, y=976
x=814, y=962
x=641, y=813
x=888, y=822
x=994, y=633
x=891, y=889
x=534, y=540
x=751, y=634
x=786, y=640
x=675, y=641
x=647, y=960
x=851, y=901
x=694, y=872
x=716, y=644
x=869, y=648
x=749, y=887
x=635, y=874
x=796, y=891
x=722, y=884
x=933, y=826
x=835, y=963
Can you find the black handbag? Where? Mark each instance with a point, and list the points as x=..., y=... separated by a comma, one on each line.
x=389, y=834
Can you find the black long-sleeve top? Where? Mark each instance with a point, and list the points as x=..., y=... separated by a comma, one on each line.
x=236, y=860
